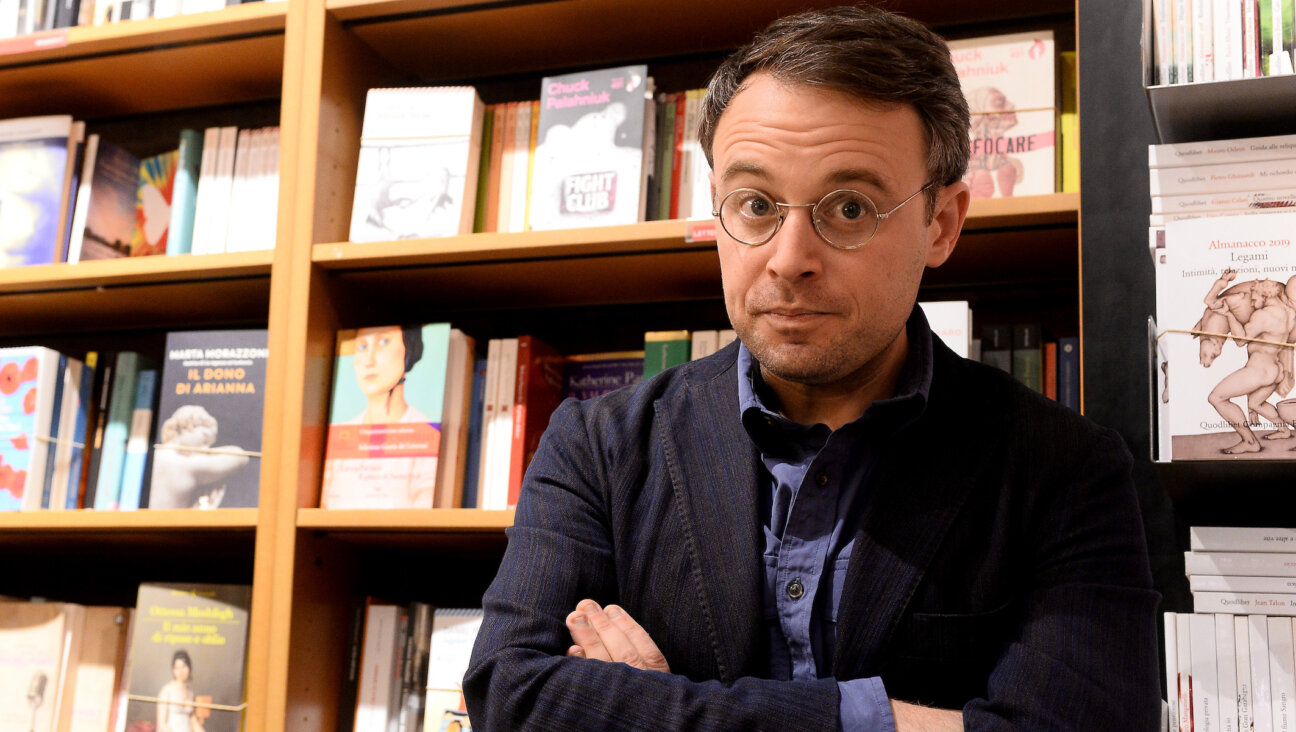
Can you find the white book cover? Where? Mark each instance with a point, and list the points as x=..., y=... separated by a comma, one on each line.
x=1172, y=668
x=1261, y=695
x=692, y=148
x=1257, y=175
x=81, y=210
x=502, y=436
x=705, y=343
x=699, y=171
x=1226, y=665
x=521, y=162
x=272, y=190
x=1010, y=85
x=1238, y=201
x=648, y=159
x=1226, y=29
x=727, y=336
x=454, y=630
x=240, y=182
x=378, y=660
x=951, y=321
x=222, y=191
x=489, y=399
x=590, y=149
x=1242, y=667
x=206, y=184
x=1205, y=674
x=1243, y=564
x=1161, y=220
x=1282, y=684
x=1216, y=152
x=1182, y=10
x=419, y=154
x=1183, y=637
x=1250, y=39
x=1232, y=279
x=450, y=466
x=1241, y=539
x=1265, y=603
x=8, y=18
x=1231, y=583
x=1203, y=40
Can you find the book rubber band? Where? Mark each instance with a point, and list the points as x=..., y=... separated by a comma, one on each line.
x=196, y=705
x=205, y=450
x=1280, y=344
x=57, y=441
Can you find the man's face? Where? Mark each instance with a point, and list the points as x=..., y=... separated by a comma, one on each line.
x=808, y=312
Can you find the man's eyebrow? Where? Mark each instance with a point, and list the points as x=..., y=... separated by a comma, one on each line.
x=857, y=175
x=741, y=167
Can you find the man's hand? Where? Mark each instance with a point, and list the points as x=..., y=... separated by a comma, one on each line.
x=914, y=718
x=612, y=635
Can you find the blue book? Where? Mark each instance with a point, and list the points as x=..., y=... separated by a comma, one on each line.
x=112, y=454
x=137, y=444
x=595, y=374
x=1068, y=377
x=50, y=445
x=472, y=470
x=34, y=203
x=80, y=425
x=184, y=193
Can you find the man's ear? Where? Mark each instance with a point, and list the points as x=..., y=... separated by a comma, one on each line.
x=947, y=222
x=711, y=180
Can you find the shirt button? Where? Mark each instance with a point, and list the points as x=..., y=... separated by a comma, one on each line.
x=795, y=590
x=822, y=479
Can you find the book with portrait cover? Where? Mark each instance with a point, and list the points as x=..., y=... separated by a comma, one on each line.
x=590, y=149
x=385, y=419
x=1230, y=306
x=34, y=164
x=188, y=656
x=420, y=149
x=157, y=176
x=1010, y=85
x=207, y=448
x=29, y=377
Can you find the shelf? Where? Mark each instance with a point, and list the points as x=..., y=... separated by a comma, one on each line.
x=463, y=531
x=160, y=291
x=457, y=39
x=1222, y=110
x=125, y=529
x=221, y=57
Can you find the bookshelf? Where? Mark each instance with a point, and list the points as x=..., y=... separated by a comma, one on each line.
x=312, y=61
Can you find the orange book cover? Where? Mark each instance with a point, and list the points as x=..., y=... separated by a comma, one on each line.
x=535, y=131
x=506, y=166
x=496, y=157
x=1050, y=369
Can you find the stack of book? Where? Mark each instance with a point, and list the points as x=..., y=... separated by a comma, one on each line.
x=1220, y=40
x=92, y=433
x=1229, y=664
x=24, y=17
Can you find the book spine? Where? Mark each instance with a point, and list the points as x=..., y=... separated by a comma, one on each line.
x=1226, y=655
x=489, y=404
x=79, y=435
x=532, y=140
x=1262, y=175
x=1235, y=203
x=483, y=169
x=1282, y=684
x=184, y=193
x=677, y=153
x=664, y=349
x=996, y=347
x=1028, y=356
x=501, y=438
x=1242, y=669
x=49, y=377
x=1225, y=583
x=1205, y=674
x=1050, y=370
x=1183, y=654
x=1218, y=152
x=95, y=424
x=1241, y=539
x=1182, y=10
x=1245, y=564
x=351, y=680
x=1266, y=603
x=1171, y=627
x=116, y=432
x=1250, y=39
x=472, y=454
x=1261, y=687
x=50, y=446
x=517, y=441
x=1203, y=41
x=1068, y=378
x=137, y=444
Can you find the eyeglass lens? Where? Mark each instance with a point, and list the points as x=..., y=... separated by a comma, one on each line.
x=844, y=218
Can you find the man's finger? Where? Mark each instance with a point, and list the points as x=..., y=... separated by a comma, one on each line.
x=650, y=655
x=611, y=636
x=585, y=636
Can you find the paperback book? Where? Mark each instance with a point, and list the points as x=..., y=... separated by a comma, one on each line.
x=104, y=223
x=28, y=379
x=157, y=176
x=453, y=632
x=208, y=446
x=385, y=419
x=589, y=160
x=188, y=653
x=33, y=194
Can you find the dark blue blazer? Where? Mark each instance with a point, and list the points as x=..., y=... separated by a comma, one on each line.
x=999, y=568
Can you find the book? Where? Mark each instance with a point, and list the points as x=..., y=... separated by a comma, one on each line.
x=1009, y=82
x=490, y=401
x=29, y=377
x=184, y=193
x=664, y=349
x=589, y=375
x=34, y=160
x=103, y=225
x=538, y=392
x=1260, y=175
x=1205, y=673
x=1282, y=684
x=379, y=661
x=951, y=321
x=1164, y=208
x=138, y=450
x=454, y=424
x=1241, y=539
x=209, y=238
x=33, y=636
x=1235, y=583
x=48, y=443
x=1262, y=603
x=1028, y=356
x=472, y=453
x=98, y=670
x=1261, y=687
x=385, y=418
x=589, y=167
x=1050, y=370
x=1243, y=268
x=65, y=476
x=500, y=433
x=1242, y=670
x=210, y=414
x=1226, y=674
x=1215, y=152
x=1183, y=657
x=996, y=346
x=153, y=204
x=410, y=708
x=704, y=343
x=188, y=655
x=121, y=406
x=419, y=154
x=1170, y=629
x=1243, y=564
x=454, y=630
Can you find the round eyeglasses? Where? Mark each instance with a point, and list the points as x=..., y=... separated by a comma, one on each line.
x=845, y=219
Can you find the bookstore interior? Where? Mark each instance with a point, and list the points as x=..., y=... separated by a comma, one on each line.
x=290, y=290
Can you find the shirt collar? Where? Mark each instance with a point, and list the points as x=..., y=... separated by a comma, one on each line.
x=910, y=399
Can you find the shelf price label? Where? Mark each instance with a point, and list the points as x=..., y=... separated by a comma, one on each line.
x=34, y=42
x=700, y=231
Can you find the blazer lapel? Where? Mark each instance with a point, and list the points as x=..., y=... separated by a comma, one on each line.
x=913, y=500
x=713, y=467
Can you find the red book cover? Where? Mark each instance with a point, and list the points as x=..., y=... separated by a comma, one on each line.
x=538, y=393
x=1050, y=369
x=677, y=165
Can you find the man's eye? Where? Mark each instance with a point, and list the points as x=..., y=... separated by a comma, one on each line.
x=851, y=210
x=759, y=207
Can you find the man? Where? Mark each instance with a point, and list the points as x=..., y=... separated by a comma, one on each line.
x=837, y=515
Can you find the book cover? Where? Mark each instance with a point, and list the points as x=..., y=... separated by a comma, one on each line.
x=454, y=424
x=33, y=175
x=385, y=419
x=1260, y=603
x=951, y=321
x=1282, y=684
x=419, y=155
x=1235, y=583
x=664, y=349
x=538, y=392
x=1226, y=675
x=1256, y=176
x=210, y=413
x=589, y=153
x=188, y=656
x=1242, y=564
x=138, y=450
x=153, y=204
x=32, y=639
x=28, y=378
x=110, y=209
x=1242, y=669
x=593, y=374
x=1230, y=379
x=454, y=630
x=1009, y=82
x=184, y=193
x=1205, y=673
x=121, y=406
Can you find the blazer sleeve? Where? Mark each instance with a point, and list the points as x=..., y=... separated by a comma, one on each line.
x=561, y=550
x=1084, y=656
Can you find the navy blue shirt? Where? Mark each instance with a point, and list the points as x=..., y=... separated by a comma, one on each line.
x=814, y=488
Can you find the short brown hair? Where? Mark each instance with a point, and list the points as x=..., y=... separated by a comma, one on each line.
x=870, y=54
